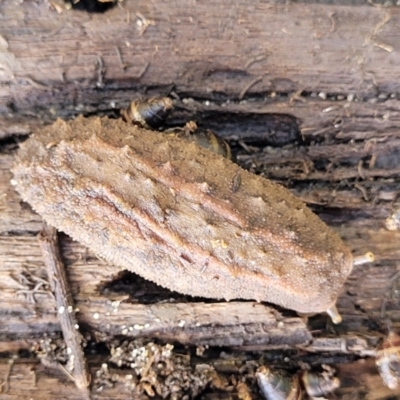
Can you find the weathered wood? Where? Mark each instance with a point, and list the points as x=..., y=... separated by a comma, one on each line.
x=30, y=380
x=178, y=42
x=208, y=51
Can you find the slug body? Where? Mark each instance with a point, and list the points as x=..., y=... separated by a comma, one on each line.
x=165, y=209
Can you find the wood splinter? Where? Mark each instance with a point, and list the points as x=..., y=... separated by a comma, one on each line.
x=65, y=308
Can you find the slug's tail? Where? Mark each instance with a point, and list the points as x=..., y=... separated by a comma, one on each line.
x=358, y=260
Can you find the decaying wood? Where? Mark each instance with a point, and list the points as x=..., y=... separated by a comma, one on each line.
x=28, y=379
x=176, y=52
x=171, y=36
x=318, y=80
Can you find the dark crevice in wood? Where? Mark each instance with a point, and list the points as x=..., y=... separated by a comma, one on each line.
x=91, y=6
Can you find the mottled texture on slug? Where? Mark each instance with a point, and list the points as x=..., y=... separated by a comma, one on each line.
x=165, y=209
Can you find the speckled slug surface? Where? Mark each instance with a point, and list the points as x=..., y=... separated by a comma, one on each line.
x=166, y=210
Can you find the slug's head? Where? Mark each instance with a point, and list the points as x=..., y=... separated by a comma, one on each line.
x=358, y=260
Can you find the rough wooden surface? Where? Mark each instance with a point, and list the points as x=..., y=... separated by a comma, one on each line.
x=210, y=51
x=30, y=380
x=323, y=78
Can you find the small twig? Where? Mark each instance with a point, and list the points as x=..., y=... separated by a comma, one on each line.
x=386, y=18
x=360, y=169
x=244, y=146
x=296, y=96
x=362, y=190
x=30, y=285
x=370, y=143
x=372, y=161
x=143, y=23
x=64, y=303
x=372, y=38
x=34, y=83
x=333, y=22
x=255, y=60
x=100, y=73
x=123, y=65
x=53, y=33
x=20, y=280
x=30, y=294
x=384, y=46
x=48, y=362
x=143, y=70
x=34, y=379
x=248, y=86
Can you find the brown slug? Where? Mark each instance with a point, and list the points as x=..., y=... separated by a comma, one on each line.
x=166, y=210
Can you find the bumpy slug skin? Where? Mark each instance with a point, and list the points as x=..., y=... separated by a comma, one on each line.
x=165, y=209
